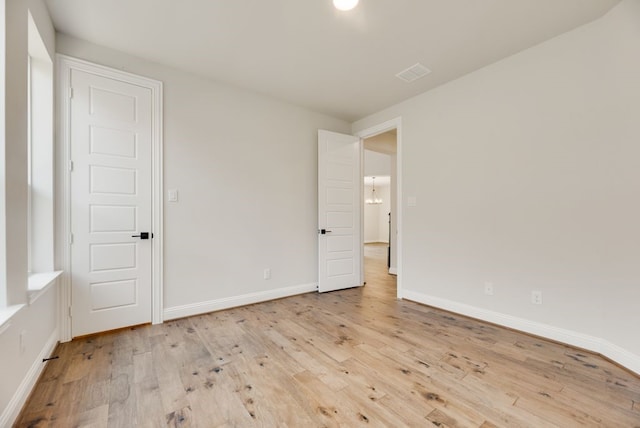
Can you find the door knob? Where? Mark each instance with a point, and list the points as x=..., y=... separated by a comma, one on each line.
x=143, y=235
x=324, y=231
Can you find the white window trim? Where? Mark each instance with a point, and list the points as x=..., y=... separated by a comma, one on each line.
x=29, y=168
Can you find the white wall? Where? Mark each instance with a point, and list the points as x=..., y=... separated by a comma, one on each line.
x=620, y=290
x=35, y=322
x=245, y=166
x=527, y=174
x=3, y=157
x=14, y=156
x=30, y=336
x=376, y=164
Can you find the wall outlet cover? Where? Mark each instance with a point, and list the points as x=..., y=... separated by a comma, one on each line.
x=536, y=297
x=488, y=288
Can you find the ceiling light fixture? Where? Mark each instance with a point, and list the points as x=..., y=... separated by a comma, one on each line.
x=345, y=4
x=373, y=200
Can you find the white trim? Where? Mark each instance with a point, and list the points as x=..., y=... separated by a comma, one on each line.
x=570, y=337
x=235, y=301
x=39, y=283
x=12, y=410
x=361, y=209
x=621, y=356
x=65, y=65
x=62, y=192
x=393, y=271
x=396, y=124
x=6, y=314
x=157, y=201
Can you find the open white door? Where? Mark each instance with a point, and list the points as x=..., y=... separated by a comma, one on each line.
x=111, y=203
x=339, y=200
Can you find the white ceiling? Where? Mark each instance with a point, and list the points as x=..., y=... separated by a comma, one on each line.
x=307, y=53
x=383, y=143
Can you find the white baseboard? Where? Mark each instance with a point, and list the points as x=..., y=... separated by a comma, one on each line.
x=12, y=410
x=585, y=341
x=235, y=301
x=393, y=271
x=621, y=356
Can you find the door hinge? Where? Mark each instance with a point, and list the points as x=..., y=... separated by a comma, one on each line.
x=70, y=238
x=70, y=93
x=70, y=165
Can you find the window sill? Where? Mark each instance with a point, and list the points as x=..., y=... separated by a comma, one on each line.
x=6, y=314
x=39, y=283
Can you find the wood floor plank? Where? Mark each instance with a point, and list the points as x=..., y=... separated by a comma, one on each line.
x=122, y=398
x=355, y=357
x=97, y=417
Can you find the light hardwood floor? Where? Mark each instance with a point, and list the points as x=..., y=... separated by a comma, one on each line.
x=350, y=358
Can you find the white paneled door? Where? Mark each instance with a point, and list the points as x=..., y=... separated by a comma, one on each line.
x=339, y=200
x=111, y=203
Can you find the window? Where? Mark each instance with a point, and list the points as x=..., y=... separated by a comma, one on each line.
x=40, y=152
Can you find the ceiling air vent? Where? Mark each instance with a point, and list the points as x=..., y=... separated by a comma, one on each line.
x=413, y=73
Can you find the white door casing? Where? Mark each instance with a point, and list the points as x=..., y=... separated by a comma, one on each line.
x=111, y=134
x=339, y=212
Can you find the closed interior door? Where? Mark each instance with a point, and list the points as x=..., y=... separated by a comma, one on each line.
x=111, y=203
x=339, y=201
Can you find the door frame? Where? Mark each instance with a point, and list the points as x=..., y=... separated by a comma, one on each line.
x=372, y=131
x=65, y=64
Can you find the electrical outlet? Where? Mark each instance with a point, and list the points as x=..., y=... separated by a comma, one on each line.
x=488, y=288
x=536, y=297
x=267, y=273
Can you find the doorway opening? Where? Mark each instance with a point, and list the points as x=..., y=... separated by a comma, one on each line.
x=380, y=207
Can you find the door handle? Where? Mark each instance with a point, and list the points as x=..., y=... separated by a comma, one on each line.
x=143, y=235
x=323, y=231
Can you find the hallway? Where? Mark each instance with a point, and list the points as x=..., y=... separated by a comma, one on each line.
x=376, y=274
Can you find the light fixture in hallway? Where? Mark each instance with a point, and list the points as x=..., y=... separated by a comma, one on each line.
x=373, y=200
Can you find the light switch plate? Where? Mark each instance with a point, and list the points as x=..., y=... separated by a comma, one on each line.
x=173, y=195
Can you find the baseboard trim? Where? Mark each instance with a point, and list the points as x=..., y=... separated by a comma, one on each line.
x=613, y=352
x=621, y=356
x=11, y=412
x=235, y=301
x=393, y=271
